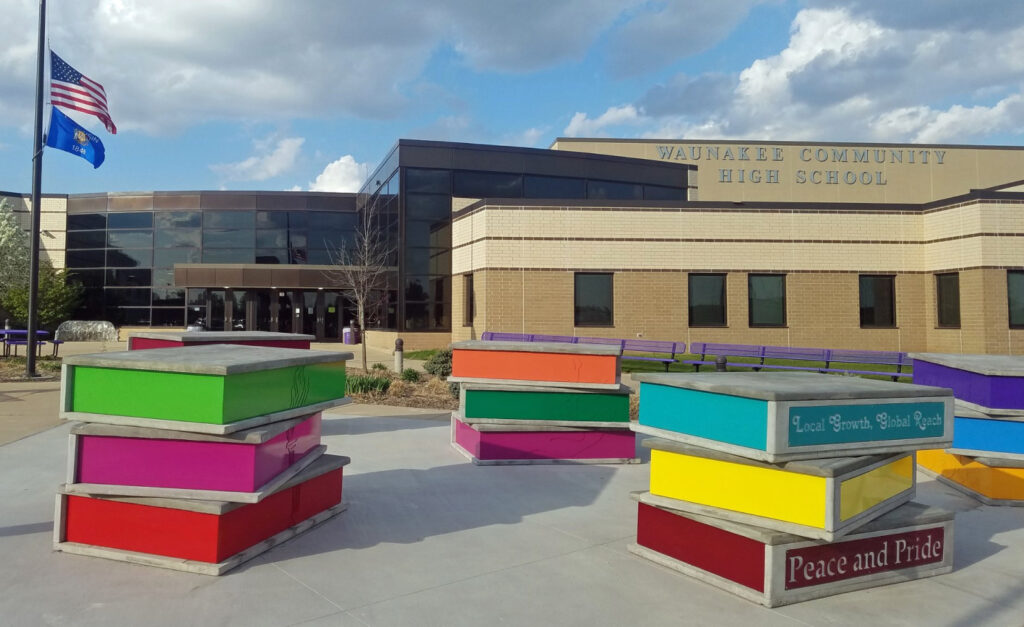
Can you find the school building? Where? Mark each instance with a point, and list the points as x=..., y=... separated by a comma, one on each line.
x=844, y=245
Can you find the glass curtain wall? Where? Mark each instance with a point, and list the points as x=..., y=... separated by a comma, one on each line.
x=125, y=259
x=424, y=200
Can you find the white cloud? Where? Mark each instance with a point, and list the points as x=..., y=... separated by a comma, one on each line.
x=582, y=126
x=845, y=77
x=341, y=175
x=170, y=65
x=928, y=126
x=531, y=137
x=260, y=167
x=830, y=37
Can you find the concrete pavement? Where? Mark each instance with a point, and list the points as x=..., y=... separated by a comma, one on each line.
x=430, y=539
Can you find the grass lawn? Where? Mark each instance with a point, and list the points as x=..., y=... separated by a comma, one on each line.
x=13, y=368
x=424, y=354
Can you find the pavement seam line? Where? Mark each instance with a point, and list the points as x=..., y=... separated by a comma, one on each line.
x=308, y=587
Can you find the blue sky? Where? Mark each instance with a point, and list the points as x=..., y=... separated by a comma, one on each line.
x=310, y=94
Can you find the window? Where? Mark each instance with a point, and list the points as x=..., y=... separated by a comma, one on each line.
x=553, y=187
x=1015, y=296
x=658, y=192
x=487, y=185
x=229, y=219
x=130, y=239
x=86, y=239
x=469, y=308
x=87, y=221
x=877, y=301
x=84, y=258
x=178, y=219
x=947, y=299
x=167, y=257
x=612, y=190
x=707, y=300
x=593, y=299
x=767, y=300
x=135, y=220
x=429, y=181
x=128, y=277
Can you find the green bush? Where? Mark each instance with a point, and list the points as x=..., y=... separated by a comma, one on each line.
x=378, y=366
x=453, y=389
x=368, y=384
x=411, y=375
x=440, y=365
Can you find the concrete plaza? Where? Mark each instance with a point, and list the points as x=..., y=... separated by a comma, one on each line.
x=430, y=539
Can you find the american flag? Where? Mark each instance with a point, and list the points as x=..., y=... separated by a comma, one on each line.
x=71, y=89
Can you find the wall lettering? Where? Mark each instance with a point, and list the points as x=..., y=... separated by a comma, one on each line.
x=812, y=173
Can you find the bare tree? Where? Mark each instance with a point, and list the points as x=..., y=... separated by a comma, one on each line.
x=363, y=266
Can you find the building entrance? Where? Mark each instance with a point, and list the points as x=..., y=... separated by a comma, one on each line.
x=320, y=313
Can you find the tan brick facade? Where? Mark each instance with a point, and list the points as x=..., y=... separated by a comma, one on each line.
x=822, y=172
x=52, y=224
x=523, y=261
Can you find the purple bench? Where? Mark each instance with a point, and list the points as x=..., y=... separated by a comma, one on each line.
x=880, y=358
x=16, y=343
x=671, y=349
x=826, y=356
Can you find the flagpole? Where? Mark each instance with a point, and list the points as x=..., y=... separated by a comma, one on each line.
x=37, y=176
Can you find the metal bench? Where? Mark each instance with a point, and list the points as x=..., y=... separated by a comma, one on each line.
x=823, y=358
x=878, y=358
x=718, y=349
x=671, y=349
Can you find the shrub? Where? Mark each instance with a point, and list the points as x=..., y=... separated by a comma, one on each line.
x=368, y=384
x=440, y=365
x=436, y=386
x=401, y=389
x=410, y=375
x=379, y=367
x=453, y=389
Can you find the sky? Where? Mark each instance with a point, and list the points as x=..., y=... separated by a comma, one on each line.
x=312, y=94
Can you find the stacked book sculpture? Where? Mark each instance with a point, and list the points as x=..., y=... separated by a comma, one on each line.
x=197, y=458
x=172, y=339
x=783, y=487
x=524, y=402
x=986, y=458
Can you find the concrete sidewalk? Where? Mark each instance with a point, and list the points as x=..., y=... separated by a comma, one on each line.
x=429, y=539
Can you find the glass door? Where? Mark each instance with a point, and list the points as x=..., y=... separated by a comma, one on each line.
x=308, y=316
x=284, y=315
x=333, y=311
x=239, y=312
x=263, y=311
x=196, y=314
x=215, y=302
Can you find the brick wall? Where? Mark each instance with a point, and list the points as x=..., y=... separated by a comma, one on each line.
x=524, y=259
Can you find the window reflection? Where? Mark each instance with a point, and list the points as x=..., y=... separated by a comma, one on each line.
x=86, y=239
x=178, y=219
x=87, y=221
x=229, y=219
x=130, y=239
x=132, y=220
